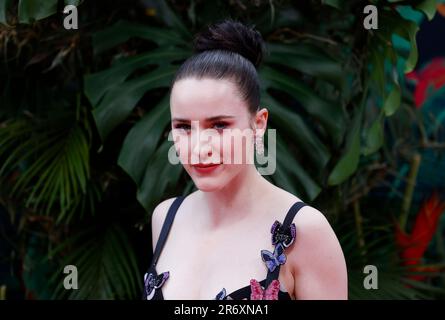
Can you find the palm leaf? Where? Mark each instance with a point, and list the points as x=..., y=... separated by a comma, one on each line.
x=106, y=265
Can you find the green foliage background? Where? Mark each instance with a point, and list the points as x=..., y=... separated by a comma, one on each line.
x=84, y=120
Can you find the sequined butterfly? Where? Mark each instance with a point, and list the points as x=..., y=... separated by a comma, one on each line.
x=281, y=235
x=153, y=282
x=257, y=292
x=221, y=295
x=274, y=259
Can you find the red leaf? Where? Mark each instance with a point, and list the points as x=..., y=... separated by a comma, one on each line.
x=414, y=245
x=431, y=76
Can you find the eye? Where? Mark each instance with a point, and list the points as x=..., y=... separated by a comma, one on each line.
x=220, y=125
x=182, y=126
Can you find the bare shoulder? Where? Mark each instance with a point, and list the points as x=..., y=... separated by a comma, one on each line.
x=317, y=258
x=158, y=218
x=311, y=217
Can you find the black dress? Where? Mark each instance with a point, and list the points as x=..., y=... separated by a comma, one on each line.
x=283, y=235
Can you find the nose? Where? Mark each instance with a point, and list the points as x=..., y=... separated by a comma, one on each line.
x=201, y=152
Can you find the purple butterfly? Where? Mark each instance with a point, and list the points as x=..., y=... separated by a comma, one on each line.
x=274, y=259
x=153, y=282
x=221, y=295
x=279, y=235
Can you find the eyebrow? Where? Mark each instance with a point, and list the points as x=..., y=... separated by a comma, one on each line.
x=207, y=119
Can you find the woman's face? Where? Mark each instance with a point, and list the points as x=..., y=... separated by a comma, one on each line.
x=213, y=130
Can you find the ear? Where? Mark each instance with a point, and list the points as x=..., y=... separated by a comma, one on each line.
x=260, y=121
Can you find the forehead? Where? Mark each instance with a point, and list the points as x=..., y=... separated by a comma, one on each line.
x=202, y=98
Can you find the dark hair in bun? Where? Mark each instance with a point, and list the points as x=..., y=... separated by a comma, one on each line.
x=232, y=36
x=227, y=50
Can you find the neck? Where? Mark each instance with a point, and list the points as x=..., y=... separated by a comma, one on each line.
x=237, y=200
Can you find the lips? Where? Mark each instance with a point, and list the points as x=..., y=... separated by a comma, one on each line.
x=201, y=165
x=205, y=168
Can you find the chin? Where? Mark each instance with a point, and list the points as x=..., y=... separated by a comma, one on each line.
x=207, y=186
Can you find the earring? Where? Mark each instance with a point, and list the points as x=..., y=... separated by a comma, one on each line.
x=259, y=145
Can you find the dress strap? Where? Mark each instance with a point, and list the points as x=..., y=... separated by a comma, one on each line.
x=166, y=228
x=287, y=222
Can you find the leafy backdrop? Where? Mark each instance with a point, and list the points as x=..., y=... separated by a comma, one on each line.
x=85, y=116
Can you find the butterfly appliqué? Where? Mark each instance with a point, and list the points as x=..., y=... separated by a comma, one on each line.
x=257, y=292
x=221, y=295
x=281, y=235
x=274, y=259
x=153, y=282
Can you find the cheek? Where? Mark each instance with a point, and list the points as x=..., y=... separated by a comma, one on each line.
x=182, y=147
x=237, y=148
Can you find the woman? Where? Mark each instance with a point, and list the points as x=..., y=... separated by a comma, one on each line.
x=238, y=236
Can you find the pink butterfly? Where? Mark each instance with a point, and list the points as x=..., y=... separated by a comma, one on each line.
x=258, y=292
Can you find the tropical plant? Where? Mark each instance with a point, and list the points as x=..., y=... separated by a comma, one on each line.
x=98, y=96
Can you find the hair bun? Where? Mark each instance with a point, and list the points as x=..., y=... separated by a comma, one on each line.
x=232, y=36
